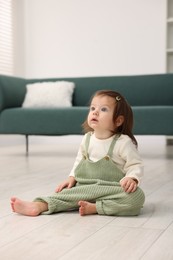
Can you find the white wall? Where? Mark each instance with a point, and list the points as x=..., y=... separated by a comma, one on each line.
x=94, y=37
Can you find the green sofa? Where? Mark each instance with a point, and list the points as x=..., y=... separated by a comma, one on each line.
x=151, y=98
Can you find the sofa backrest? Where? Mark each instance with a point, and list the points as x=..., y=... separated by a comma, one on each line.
x=142, y=90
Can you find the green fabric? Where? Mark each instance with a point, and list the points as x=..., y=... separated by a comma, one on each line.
x=97, y=182
x=12, y=91
x=153, y=120
x=43, y=121
x=142, y=90
x=139, y=90
x=151, y=98
x=148, y=120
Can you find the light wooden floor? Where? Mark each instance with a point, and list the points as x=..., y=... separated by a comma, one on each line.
x=67, y=236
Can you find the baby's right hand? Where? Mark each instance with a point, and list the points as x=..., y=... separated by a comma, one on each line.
x=69, y=183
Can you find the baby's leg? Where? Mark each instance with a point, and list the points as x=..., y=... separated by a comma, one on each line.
x=28, y=208
x=87, y=208
x=121, y=204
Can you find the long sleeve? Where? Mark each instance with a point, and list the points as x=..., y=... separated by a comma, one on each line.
x=78, y=157
x=128, y=159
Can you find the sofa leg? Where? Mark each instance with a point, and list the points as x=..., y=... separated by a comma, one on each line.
x=169, y=140
x=27, y=144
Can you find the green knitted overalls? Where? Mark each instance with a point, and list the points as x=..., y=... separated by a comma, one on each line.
x=97, y=182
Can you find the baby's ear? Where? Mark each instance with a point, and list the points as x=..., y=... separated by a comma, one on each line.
x=119, y=121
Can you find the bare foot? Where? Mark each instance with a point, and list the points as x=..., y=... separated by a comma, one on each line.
x=87, y=208
x=28, y=208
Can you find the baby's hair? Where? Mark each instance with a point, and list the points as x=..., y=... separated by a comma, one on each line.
x=122, y=108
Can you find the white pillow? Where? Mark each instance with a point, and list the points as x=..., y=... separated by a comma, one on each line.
x=49, y=94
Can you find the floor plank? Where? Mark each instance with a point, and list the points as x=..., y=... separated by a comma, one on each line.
x=68, y=235
x=162, y=248
x=115, y=243
x=52, y=239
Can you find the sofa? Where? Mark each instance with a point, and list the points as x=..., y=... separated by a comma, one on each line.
x=151, y=98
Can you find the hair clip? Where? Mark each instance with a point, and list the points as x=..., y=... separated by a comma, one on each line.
x=118, y=98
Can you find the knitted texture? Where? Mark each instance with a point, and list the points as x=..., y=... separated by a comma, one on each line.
x=97, y=182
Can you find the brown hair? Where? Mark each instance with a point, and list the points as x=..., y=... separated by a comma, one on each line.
x=122, y=108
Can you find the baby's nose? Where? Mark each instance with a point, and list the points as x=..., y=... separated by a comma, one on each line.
x=96, y=112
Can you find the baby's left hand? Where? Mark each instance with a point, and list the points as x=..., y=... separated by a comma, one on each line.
x=128, y=184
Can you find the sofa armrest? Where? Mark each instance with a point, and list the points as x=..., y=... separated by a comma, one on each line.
x=12, y=91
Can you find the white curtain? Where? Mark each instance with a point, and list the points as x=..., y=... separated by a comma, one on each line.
x=6, y=37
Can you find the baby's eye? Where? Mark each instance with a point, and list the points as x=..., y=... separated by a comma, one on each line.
x=104, y=109
x=92, y=108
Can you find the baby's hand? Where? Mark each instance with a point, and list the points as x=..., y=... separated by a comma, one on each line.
x=128, y=184
x=69, y=183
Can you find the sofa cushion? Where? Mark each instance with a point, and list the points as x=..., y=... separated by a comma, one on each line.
x=49, y=94
x=43, y=121
x=153, y=120
x=148, y=120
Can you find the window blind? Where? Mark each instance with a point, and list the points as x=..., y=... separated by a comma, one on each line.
x=6, y=37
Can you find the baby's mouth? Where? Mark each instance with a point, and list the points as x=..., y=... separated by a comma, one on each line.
x=94, y=120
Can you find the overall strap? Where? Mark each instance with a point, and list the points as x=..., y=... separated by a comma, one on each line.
x=111, y=148
x=87, y=141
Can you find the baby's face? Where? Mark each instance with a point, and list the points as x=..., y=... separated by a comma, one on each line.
x=100, y=117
